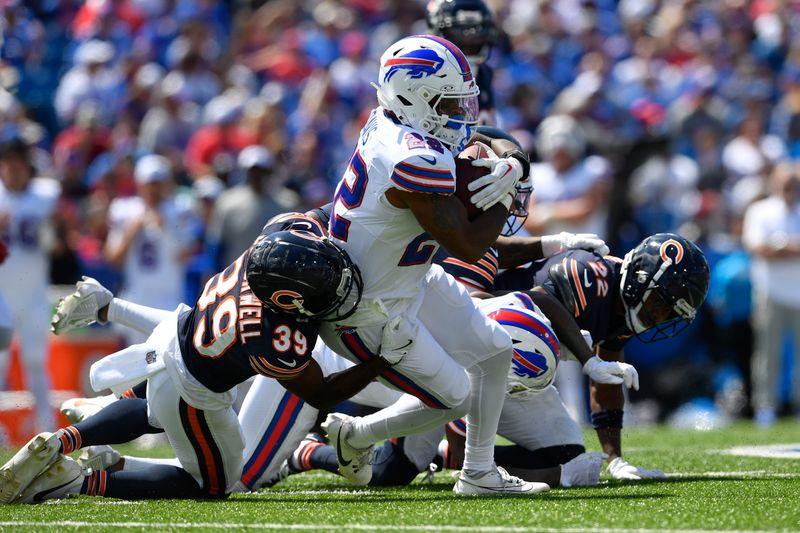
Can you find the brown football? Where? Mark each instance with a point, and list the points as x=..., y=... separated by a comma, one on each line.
x=466, y=174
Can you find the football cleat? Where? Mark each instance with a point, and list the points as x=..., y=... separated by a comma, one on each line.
x=495, y=482
x=61, y=479
x=77, y=409
x=98, y=457
x=26, y=464
x=355, y=464
x=80, y=308
x=583, y=470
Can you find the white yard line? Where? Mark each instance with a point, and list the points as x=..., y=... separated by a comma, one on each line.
x=359, y=527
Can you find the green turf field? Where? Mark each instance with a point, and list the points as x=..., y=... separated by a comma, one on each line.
x=707, y=491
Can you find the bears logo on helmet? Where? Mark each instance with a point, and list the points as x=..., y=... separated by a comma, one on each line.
x=664, y=281
x=298, y=273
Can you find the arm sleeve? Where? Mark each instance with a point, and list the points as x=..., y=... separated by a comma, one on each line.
x=477, y=276
x=424, y=173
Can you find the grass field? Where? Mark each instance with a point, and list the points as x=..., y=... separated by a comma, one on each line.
x=707, y=490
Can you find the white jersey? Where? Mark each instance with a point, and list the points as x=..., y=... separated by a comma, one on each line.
x=387, y=243
x=25, y=232
x=154, y=272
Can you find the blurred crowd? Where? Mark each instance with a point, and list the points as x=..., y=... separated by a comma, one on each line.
x=174, y=128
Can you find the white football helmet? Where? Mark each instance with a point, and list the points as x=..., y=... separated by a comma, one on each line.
x=425, y=80
x=536, y=350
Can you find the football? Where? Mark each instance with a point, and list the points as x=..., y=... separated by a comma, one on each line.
x=466, y=174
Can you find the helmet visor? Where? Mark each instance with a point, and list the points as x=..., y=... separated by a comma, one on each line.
x=459, y=110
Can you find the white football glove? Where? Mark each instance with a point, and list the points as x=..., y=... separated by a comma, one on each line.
x=611, y=372
x=553, y=244
x=619, y=468
x=398, y=338
x=499, y=184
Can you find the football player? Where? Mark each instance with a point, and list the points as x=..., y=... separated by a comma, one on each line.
x=653, y=293
x=393, y=208
x=470, y=25
x=27, y=204
x=274, y=420
x=259, y=316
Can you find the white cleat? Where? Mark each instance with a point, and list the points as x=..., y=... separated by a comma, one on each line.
x=98, y=457
x=583, y=470
x=77, y=409
x=28, y=463
x=62, y=479
x=355, y=464
x=80, y=308
x=496, y=482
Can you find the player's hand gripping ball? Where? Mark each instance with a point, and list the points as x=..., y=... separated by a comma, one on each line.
x=466, y=174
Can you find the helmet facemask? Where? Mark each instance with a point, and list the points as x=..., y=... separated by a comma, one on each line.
x=659, y=311
x=519, y=208
x=452, y=118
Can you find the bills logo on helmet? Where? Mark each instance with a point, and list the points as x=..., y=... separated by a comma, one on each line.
x=291, y=299
x=528, y=364
x=671, y=250
x=418, y=63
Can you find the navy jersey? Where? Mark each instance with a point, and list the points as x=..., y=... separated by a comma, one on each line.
x=484, y=81
x=587, y=285
x=479, y=276
x=228, y=336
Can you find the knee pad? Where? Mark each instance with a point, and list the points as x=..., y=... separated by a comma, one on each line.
x=457, y=394
x=460, y=410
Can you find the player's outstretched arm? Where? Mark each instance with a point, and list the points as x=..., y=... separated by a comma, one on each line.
x=324, y=392
x=569, y=334
x=516, y=250
x=445, y=218
x=607, y=402
x=564, y=324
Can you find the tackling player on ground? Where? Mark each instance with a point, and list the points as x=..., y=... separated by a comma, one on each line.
x=258, y=316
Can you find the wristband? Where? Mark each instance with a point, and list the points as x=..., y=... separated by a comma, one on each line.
x=520, y=156
x=610, y=418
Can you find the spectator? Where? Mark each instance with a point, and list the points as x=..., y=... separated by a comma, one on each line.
x=150, y=238
x=570, y=189
x=771, y=233
x=27, y=204
x=242, y=211
x=90, y=80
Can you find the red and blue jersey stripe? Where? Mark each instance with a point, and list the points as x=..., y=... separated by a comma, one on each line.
x=423, y=179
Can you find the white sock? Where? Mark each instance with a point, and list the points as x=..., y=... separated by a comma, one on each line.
x=406, y=416
x=137, y=464
x=488, y=380
x=39, y=384
x=142, y=318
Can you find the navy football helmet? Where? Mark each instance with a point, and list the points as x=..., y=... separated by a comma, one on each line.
x=664, y=281
x=299, y=273
x=469, y=24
